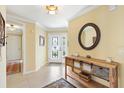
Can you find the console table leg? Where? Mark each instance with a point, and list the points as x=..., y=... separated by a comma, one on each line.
x=65, y=72
x=113, y=78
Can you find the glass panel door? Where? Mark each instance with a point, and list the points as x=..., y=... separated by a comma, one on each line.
x=57, y=47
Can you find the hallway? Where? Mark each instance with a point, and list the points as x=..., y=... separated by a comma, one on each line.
x=47, y=74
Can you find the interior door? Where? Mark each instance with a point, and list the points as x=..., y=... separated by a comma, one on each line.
x=57, y=47
x=14, y=47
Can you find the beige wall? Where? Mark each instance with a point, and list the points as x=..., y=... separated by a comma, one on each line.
x=35, y=54
x=111, y=24
x=40, y=50
x=30, y=47
x=3, y=56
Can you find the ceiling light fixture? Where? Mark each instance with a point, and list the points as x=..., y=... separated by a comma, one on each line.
x=52, y=9
x=12, y=27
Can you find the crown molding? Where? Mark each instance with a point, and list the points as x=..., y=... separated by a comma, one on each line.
x=13, y=17
x=57, y=29
x=43, y=27
x=18, y=19
x=51, y=29
x=83, y=11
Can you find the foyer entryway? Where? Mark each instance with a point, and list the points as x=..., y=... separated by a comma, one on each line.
x=57, y=47
x=44, y=76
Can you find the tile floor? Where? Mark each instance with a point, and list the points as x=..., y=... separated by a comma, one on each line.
x=47, y=74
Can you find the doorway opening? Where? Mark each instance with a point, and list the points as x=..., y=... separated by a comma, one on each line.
x=14, y=49
x=57, y=47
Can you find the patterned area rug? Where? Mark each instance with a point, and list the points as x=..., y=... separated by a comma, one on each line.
x=61, y=83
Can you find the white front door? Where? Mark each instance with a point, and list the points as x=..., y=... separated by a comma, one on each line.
x=57, y=47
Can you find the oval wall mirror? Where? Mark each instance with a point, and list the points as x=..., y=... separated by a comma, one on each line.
x=89, y=36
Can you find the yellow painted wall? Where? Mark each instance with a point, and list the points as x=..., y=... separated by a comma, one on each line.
x=40, y=50
x=35, y=54
x=3, y=56
x=111, y=24
x=30, y=47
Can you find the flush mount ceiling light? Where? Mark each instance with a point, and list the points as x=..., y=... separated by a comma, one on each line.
x=52, y=9
x=12, y=27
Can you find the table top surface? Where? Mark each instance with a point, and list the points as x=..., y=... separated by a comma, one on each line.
x=94, y=61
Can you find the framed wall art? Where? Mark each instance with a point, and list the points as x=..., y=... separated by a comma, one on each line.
x=41, y=40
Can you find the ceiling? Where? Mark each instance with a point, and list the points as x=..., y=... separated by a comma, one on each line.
x=39, y=14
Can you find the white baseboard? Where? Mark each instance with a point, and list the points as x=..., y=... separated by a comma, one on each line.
x=28, y=72
x=41, y=66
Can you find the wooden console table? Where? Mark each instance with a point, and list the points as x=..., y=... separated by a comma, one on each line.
x=112, y=69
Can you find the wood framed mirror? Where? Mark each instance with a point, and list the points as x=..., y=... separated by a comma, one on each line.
x=89, y=36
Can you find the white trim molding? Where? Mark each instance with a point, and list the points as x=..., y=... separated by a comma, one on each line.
x=22, y=24
x=32, y=71
x=84, y=11
x=11, y=16
x=28, y=72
